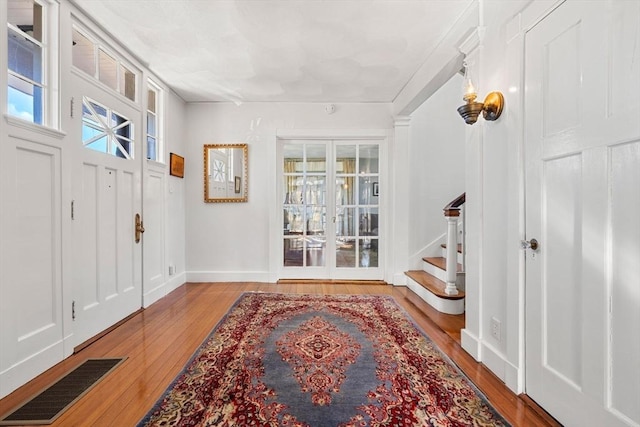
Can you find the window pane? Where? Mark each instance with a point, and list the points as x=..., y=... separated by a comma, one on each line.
x=122, y=148
x=108, y=68
x=315, y=190
x=292, y=153
x=345, y=187
x=368, y=190
x=315, y=251
x=316, y=158
x=90, y=132
x=83, y=53
x=346, y=159
x=368, y=222
x=151, y=148
x=127, y=83
x=368, y=252
x=27, y=16
x=345, y=252
x=293, y=219
x=99, y=144
x=151, y=124
x=25, y=57
x=24, y=100
x=293, y=252
x=151, y=101
x=368, y=159
x=316, y=221
x=345, y=222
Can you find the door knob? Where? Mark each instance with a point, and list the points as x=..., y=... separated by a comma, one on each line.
x=530, y=244
x=139, y=228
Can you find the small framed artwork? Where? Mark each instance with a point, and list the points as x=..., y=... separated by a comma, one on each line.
x=176, y=165
x=238, y=184
x=376, y=189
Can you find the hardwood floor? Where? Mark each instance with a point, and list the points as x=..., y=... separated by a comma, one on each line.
x=160, y=340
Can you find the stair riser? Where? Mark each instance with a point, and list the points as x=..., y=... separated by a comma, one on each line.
x=442, y=305
x=459, y=258
x=434, y=271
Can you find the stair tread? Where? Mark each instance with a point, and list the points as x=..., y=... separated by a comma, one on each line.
x=440, y=262
x=444, y=246
x=432, y=284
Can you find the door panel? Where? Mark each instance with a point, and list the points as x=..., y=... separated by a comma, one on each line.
x=582, y=201
x=625, y=289
x=154, y=202
x=31, y=310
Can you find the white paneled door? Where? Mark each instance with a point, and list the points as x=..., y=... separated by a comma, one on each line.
x=106, y=187
x=582, y=130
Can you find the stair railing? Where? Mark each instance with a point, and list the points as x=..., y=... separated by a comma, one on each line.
x=452, y=213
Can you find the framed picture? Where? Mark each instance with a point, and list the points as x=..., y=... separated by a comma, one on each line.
x=238, y=184
x=376, y=189
x=176, y=165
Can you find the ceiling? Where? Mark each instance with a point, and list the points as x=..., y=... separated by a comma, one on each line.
x=280, y=50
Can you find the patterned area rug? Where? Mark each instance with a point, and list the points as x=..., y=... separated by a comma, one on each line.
x=313, y=360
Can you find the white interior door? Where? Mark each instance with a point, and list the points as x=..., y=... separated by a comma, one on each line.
x=329, y=194
x=106, y=189
x=582, y=130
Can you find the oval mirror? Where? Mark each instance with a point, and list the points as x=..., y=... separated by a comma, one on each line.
x=225, y=173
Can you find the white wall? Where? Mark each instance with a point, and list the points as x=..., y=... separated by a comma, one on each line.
x=231, y=241
x=436, y=156
x=176, y=142
x=495, y=287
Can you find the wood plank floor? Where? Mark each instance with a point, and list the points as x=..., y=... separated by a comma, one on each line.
x=160, y=340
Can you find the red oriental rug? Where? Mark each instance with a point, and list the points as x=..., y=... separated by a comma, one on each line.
x=320, y=360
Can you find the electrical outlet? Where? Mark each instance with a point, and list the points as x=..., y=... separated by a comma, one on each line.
x=495, y=328
x=172, y=270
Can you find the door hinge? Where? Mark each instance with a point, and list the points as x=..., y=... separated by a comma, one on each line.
x=73, y=310
x=71, y=107
x=73, y=212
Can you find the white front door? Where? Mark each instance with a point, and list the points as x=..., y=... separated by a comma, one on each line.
x=582, y=138
x=329, y=194
x=107, y=261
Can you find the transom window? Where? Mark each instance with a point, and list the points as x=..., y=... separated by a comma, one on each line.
x=25, y=54
x=106, y=131
x=94, y=60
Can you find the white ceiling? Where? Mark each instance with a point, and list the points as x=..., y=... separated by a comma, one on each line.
x=280, y=50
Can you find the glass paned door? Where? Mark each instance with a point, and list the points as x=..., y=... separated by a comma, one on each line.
x=330, y=192
x=357, y=181
x=305, y=207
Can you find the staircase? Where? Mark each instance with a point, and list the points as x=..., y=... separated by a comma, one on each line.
x=441, y=281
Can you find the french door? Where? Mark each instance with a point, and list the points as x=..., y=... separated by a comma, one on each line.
x=330, y=197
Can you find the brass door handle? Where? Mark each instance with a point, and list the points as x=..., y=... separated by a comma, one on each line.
x=139, y=228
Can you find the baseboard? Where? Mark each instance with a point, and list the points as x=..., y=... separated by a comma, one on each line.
x=27, y=369
x=228, y=276
x=470, y=343
x=399, y=279
x=500, y=366
x=161, y=291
